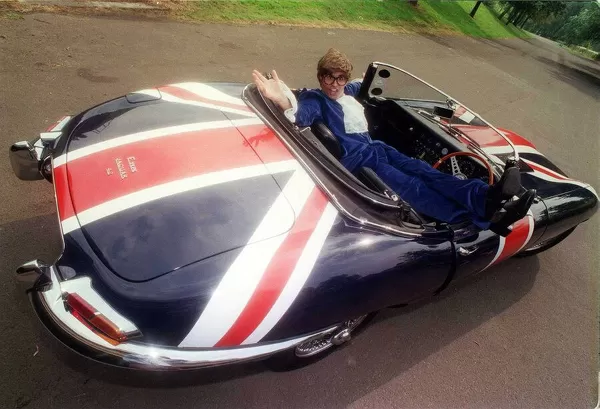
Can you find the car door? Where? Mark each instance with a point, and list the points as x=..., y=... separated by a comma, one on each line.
x=425, y=266
x=474, y=250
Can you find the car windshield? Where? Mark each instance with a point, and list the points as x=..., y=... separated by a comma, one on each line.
x=436, y=106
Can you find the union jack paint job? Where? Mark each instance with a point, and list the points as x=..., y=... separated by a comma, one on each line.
x=189, y=217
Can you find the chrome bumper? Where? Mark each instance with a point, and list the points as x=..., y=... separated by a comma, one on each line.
x=50, y=308
x=27, y=158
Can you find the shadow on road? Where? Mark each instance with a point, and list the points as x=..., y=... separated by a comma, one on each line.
x=441, y=40
x=503, y=45
x=580, y=76
x=22, y=241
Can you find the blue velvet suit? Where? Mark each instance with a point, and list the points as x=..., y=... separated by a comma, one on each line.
x=428, y=191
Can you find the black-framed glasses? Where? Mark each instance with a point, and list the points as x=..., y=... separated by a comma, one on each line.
x=329, y=79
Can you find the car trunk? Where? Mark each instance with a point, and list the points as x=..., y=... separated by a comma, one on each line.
x=159, y=185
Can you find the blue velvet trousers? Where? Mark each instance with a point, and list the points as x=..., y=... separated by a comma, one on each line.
x=429, y=191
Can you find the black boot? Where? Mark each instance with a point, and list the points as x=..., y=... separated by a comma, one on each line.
x=507, y=187
x=511, y=212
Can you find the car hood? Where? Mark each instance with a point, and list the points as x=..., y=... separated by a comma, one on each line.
x=537, y=171
x=164, y=178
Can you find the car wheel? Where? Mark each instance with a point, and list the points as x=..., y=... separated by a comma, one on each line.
x=545, y=245
x=317, y=348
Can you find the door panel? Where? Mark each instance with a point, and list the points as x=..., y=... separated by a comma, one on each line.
x=475, y=250
x=359, y=272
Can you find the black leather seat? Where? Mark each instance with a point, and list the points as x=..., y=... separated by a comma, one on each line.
x=326, y=137
x=323, y=133
x=364, y=174
x=374, y=182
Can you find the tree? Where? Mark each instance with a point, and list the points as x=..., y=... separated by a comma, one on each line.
x=516, y=12
x=576, y=23
x=525, y=20
x=507, y=7
x=522, y=11
x=472, y=14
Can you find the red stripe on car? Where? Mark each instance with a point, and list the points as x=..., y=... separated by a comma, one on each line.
x=61, y=189
x=518, y=238
x=488, y=137
x=125, y=169
x=546, y=171
x=516, y=139
x=277, y=273
x=265, y=143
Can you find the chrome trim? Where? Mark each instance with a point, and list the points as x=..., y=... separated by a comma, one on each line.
x=25, y=160
x=35, y=273
x=31, y=271
x=136, y=354
x=452, y=99
x=39, y=146
x=467, y=251
x=47, y=137
x=46, y=169
x=82, y=286
x=26, y=157
x=332, y=197
x=341, y=337
x=36, y=266
x=335, y=336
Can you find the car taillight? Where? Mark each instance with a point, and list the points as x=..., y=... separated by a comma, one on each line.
x=93, y=319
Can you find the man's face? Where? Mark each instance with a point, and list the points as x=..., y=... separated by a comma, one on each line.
x=333, y=83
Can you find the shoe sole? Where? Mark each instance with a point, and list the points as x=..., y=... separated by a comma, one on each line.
x=518, y=211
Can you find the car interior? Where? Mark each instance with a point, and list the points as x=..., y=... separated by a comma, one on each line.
x=400, y=125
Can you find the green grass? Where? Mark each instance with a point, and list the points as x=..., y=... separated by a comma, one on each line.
x=11, y=15
x=485, y=23
x=433, y=16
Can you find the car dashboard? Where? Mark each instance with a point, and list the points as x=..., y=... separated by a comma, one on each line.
x=401, y=126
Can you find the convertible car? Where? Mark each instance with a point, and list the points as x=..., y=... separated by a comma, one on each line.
x=202, y=228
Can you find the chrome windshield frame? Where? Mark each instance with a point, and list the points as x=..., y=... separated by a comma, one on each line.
x=449, y=98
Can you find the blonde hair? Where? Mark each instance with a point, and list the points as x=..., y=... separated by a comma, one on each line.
x=334, y=60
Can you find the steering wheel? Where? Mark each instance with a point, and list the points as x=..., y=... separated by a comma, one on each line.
x=456, y=168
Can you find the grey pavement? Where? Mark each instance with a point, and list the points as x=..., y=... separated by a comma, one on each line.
x=521, y=335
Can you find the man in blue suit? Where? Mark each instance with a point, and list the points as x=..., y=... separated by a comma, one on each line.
x=428, y=191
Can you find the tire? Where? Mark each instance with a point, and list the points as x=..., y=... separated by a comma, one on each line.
x=545, y=245
x=289, y=360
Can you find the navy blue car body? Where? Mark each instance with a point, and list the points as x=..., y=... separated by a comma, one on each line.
x=201, y=228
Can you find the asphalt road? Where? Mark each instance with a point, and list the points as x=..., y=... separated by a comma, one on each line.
x=522, y=335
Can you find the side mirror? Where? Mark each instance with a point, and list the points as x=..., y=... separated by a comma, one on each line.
x=24, y=161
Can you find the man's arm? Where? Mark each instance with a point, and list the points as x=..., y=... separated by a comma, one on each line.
x=272, y=89
x=353, y=87
x=303, y=114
